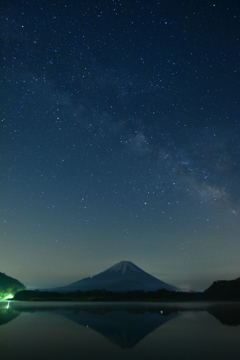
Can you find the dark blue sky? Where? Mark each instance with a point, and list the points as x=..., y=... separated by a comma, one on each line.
x=120, y=139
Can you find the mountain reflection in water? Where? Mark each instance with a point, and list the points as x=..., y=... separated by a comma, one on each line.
x=123, y=328
x=123, y=325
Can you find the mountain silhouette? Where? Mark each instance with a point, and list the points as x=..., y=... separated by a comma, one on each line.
x=123, y=276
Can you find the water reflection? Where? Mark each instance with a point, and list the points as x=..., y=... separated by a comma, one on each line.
x=124, y=328
x=123, y=325
x=7, y=313
x=227, y=315
x=120, y=331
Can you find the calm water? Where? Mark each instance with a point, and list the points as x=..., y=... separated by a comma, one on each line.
x=119, y=331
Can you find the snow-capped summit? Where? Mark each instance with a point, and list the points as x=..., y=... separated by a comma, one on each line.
x=123, y=276
x=123, y=267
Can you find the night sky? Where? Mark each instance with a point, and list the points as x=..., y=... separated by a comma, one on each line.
x=120, y=139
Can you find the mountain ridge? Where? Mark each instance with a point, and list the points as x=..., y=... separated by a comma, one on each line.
x=123, y=276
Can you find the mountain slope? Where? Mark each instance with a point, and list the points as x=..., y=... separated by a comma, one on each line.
x=124, y=276
x=9, y=286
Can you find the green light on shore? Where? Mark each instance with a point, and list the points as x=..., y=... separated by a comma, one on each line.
x=6, y=297
x=9, y=296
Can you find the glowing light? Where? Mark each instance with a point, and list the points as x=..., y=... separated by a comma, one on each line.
x=6, y=297
x=9, y=296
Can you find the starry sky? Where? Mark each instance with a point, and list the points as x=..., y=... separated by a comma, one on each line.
x=120, y=139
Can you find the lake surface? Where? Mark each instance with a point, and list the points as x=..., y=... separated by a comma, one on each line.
x=119, y=331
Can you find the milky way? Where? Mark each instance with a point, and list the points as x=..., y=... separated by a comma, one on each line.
x=120, y=140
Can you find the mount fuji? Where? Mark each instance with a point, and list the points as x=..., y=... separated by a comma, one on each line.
x=124, y=276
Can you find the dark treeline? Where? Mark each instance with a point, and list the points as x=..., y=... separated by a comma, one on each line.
x=103, y=295
x=218, y=291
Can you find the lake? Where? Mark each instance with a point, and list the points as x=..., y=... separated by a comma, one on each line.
x=43, y=330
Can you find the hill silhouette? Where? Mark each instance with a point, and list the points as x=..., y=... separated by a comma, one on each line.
x=224, y=290
x=9, y=286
